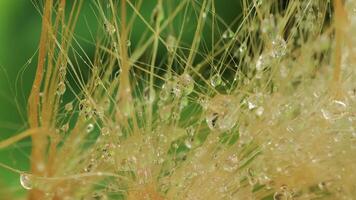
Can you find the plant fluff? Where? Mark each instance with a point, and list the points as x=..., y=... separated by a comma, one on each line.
x=261, y=108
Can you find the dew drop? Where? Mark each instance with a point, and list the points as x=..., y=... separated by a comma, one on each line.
x=184, y=85
x=61, y=88
x=149, y=95
x=109, y=28
x=128, y=43
x=228, y=34
x=26, y=181
x=263, y=62
x=259, y=111
x=171, y=43
x=90, y=128
x=222, y=112
x=68, y=107
x=279, y=47
x=188, y=143
x=215, y=80
x=166, y=91
x=231, y=163
x=65, y=127
x=105, y=131
x=190, y=131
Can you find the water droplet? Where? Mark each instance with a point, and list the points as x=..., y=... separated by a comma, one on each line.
x=251, y=105
x=109, y=28
x=171, y=43
x=105, y=131
x=68, y=107
x=61, y=88
x=215, y=80
x=188, y=143
x=183, y=102
x=26, y=181
x=228, y=34
x=65, y=127
x=190, y=131
x=128, y=43
x=263, y=62
x=231, y=163
x=184, y=85
x=258, y=3
x=90, y=128
x=149, y=95
x=222, y=112
x=166, y=91
x=259, y=111
x=86, y=109
x=279, y=47
x=165, y=112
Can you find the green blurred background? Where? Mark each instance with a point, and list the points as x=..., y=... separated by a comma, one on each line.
x=20, y=24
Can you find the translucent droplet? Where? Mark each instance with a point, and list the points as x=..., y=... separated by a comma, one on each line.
x=259, y=111
x=149, y=95
x=231, y=163
x=26, y=181
x=190, y=131
x=65, y=127
x=109, y=28
x=128, y=43
x=90, y=128
x=251, y=105
x=61, y=88
x=105, y=131
x=68, y=107
x=166, y=91
x=215, y=80
x=184, y=85
x=171, y=43
x=86, y=109
x=183, y=102
x=228, y=34
x=222, y=112
x=188, y=143
x=263, y=62
x=258, y=2
x=165, y=112
x=279, y=47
